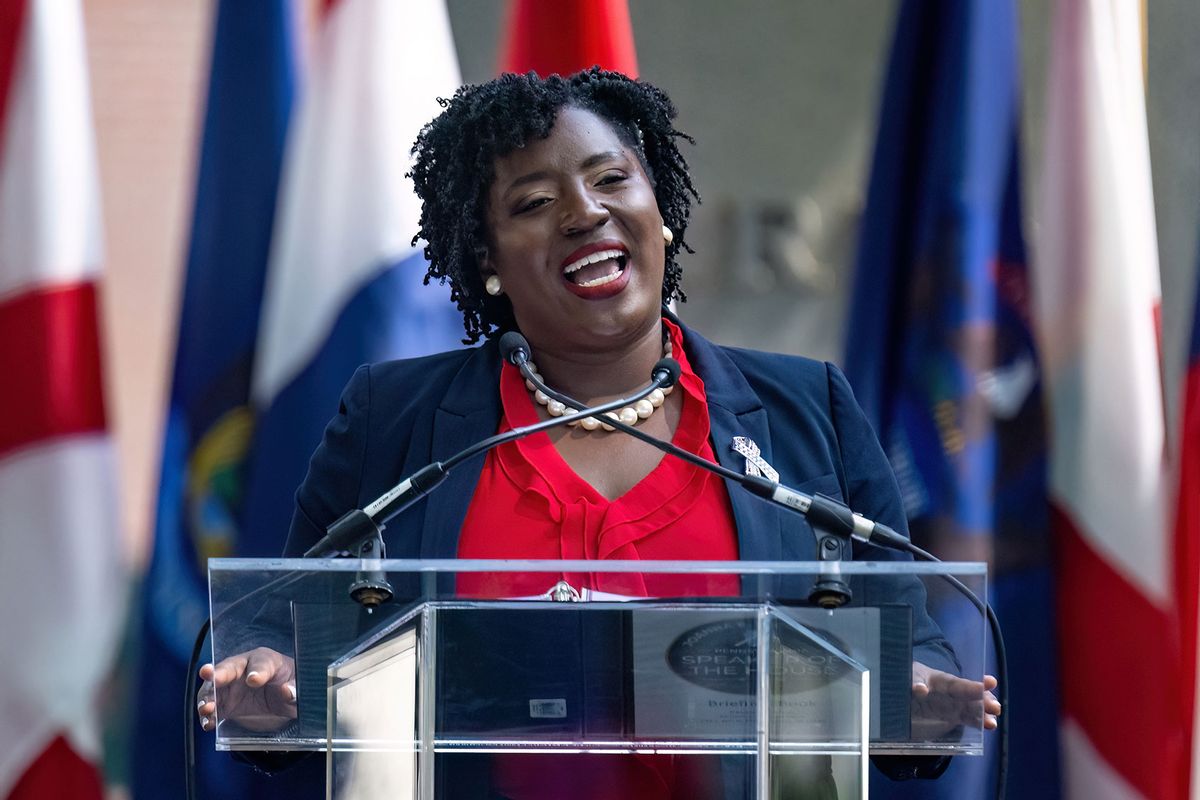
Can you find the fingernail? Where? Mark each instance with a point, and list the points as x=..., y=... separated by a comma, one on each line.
x=200, y=705
x=204, y=723
x=292, y=692
x=251, y=674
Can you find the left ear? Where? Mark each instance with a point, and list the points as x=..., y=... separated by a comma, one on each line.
x=491, y=281
x=483, y=262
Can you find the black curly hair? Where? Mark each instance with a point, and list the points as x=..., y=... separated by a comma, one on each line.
x=455, y=166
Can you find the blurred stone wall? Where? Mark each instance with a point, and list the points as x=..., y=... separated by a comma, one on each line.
x=149, y=70
x=1173, y=113
x=782, y=97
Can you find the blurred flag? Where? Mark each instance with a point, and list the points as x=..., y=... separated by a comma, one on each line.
x=565, y=36
x=345, y=284
x=61, y=562
x=1126, y=709
x=1186, y=554
x=940, y=352
x=283, y=300
x=209, y=420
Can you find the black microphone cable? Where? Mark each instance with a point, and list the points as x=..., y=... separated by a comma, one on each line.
x=189, y=708
x=823, y=511
x=189, y=684
x=359, y=524
x=1001, y=664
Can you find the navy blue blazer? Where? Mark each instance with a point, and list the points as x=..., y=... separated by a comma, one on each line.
x=399, y=416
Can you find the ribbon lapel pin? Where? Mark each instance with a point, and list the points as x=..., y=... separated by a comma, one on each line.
x=756, y=465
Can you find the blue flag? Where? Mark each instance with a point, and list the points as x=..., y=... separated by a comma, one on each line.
x=940, y=351
x=301, y=267
x=345, y=282
x=209, y=422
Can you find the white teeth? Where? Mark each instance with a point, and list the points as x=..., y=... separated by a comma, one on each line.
x=601, y=281
x=602, y=255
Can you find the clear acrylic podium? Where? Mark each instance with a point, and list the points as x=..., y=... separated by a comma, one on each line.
x=479, y=676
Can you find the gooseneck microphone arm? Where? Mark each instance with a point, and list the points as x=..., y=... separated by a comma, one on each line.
x=359, y=525
x=823, y=513
x=833, y=523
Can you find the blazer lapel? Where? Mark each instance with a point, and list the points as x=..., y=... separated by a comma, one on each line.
x=760, y=536
x=469, y=413
x=735, y=410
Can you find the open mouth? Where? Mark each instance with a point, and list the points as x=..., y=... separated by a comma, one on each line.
x=596, y=269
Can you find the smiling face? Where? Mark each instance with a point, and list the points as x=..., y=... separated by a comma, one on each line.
x=575, y=235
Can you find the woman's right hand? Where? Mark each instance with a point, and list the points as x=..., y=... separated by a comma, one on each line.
x=258, y=691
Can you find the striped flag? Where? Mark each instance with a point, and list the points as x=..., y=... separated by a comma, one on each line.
x=1187, y=535
x=208, y=421
x=565, y=36
x=344, y=283
x=940, y=348
x=1126, y=710
x=301, y=268
x=61, y=562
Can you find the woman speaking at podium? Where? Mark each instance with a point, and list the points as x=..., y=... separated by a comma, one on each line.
x=558, y=207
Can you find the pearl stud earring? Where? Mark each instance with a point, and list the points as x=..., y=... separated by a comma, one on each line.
x=668, y=237
x=492, y=285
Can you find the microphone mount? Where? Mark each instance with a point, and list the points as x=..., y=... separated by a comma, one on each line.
x=834, y=524
x=352, y=529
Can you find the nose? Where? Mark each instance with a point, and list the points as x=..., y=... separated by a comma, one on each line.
x=582, y=211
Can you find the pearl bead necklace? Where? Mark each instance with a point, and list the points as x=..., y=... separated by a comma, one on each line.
x=630, y=415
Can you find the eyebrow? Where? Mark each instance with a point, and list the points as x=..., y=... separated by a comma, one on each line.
x=600, y=158
x=588, y=163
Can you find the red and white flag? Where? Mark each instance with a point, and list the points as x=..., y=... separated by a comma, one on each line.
x=1187, y=534
x=61, y=584
x=1125, y=721
x=565, y=36
x=1187, y=531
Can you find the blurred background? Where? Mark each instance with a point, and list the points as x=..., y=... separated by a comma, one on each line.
x=878, y=178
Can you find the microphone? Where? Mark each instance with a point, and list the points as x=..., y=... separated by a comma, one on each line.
x=514, y=349
x=822, y=511
x=354, y=527
x=671, y=367
x=833, y=522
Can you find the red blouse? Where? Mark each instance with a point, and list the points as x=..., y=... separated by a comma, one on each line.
x=530, y=504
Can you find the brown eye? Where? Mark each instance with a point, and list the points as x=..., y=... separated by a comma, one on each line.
x=530, y=205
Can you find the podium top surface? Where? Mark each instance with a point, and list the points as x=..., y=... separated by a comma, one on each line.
x=613, y=670
x=673, y=567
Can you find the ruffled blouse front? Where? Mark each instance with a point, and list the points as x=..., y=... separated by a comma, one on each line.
x=529, y=503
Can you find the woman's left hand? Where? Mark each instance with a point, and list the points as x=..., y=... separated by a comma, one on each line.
x=942, y=702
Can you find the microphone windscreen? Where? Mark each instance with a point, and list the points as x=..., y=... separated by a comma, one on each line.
x=513, y=348
x=669, y=366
